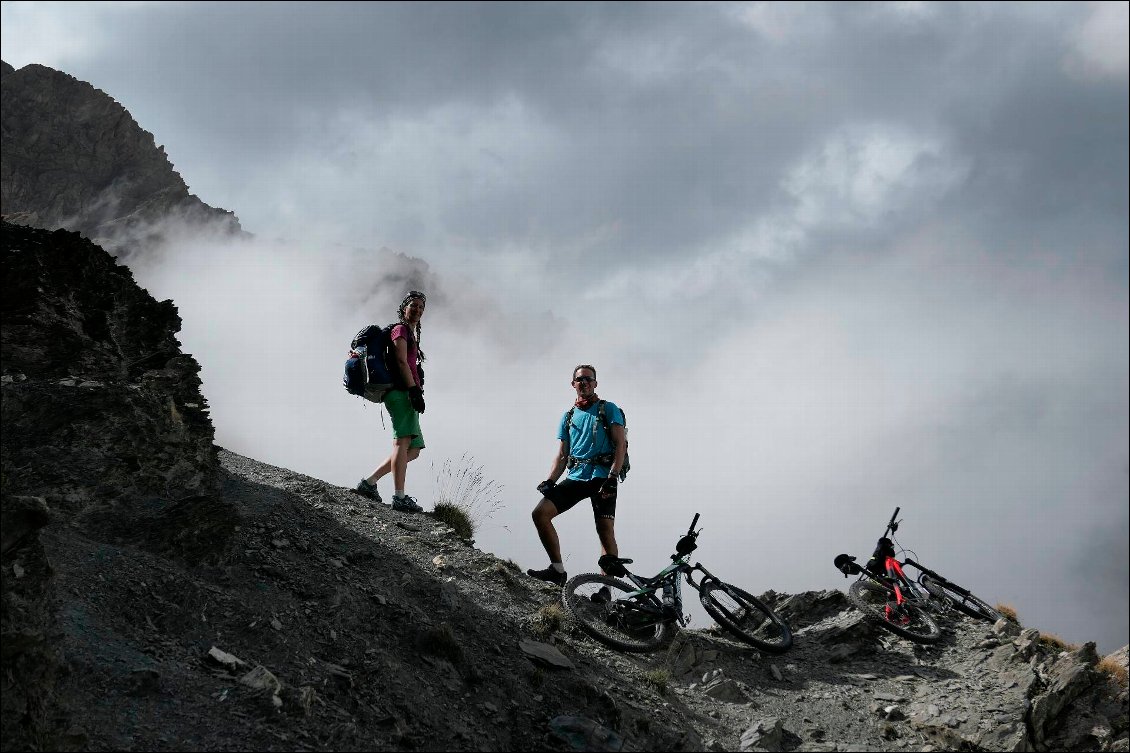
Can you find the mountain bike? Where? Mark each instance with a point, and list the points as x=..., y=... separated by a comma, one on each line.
x=886, y=595
x=636, y=614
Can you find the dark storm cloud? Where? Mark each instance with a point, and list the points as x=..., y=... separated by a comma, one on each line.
x=678, y=123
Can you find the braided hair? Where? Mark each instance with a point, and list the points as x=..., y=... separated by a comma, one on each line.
x=411, y=296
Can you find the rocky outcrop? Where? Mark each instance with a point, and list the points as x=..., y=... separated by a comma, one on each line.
x=100, y=405
x=74, y=158
x=104, y=431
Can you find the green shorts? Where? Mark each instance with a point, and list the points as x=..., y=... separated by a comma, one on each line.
x=405, y=419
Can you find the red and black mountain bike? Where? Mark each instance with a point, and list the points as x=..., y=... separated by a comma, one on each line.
x=885, y=594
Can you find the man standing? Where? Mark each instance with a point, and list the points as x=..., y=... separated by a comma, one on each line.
x=592, y=446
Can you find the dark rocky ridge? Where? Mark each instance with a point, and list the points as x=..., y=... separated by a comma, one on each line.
x=74, y=158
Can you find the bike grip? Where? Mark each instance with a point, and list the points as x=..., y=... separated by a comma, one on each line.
x=894, y=515
x=693, y=522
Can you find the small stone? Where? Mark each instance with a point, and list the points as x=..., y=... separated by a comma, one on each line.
x=545, y=654
x=893, y=714
x=773, y=670
x=261, y=678
x=225, y=660
x=276, y=624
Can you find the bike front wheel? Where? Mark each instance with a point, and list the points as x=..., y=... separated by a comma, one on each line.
x=960, y=598
x=878, y=604
x=624, y=622
x=745, y=616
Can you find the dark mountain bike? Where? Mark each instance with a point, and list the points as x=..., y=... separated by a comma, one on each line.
x=886, y=595
x=632, y=613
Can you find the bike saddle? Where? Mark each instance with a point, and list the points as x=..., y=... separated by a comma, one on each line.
x=845, y=563
x=614, y=565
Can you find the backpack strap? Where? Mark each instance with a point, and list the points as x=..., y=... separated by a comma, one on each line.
x=601, y=460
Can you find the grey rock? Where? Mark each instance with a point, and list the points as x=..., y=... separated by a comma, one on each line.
x=767, y=735
x=725, y=689
x=545, y=654
x=1068, y=678
x=261, y=678
x=1006, y=628
x=584, y=734
x=225, y=660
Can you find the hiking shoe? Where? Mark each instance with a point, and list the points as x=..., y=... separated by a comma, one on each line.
x=365, y=489
x=603, y=596
x=405, y=504
x=549, y=575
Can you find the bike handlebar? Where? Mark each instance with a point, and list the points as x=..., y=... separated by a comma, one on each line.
x=892, y=525
x=693, y=523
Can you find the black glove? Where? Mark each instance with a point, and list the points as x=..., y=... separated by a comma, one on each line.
x=545, y=486
x=609, y=487
x=416, y=397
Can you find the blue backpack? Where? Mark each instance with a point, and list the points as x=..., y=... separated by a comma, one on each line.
x=368, y=374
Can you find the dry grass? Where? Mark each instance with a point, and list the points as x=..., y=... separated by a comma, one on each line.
x=659, y=678
x=441, y=642
x=455, y=517
x=1008, y=613
x=1053, y=641
x=503, y=572
x=465, y=495
x=547, y=620
x=1113, y=668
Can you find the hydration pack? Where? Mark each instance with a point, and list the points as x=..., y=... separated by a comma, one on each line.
x=369, y=369
x=605, y=460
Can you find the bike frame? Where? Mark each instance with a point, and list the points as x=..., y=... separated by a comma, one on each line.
x=669, y=575
x=905, y=589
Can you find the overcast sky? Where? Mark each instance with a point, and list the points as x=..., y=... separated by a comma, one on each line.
x=829, y=258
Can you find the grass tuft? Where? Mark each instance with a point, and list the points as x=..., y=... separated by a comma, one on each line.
x=464, y=498
x=456, y=518
x=1115, y=669
x=441, y=642
x=1053, y=641
x=659, y=678
x=1008, y=613
x=547, y=620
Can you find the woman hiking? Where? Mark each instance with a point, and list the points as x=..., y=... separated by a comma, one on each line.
x=405, y=404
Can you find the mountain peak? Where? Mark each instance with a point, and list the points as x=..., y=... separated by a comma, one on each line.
x=74, y=158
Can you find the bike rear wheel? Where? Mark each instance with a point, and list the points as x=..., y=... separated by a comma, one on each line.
x=746, y=616
x=625, y=623
x=960, y=598
x=878, y=604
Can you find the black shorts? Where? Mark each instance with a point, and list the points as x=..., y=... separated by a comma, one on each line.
x=569, y=492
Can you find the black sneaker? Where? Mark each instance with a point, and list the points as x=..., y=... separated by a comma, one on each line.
x=405, y=504
x=603, y=596
x=549, y=575
x=365, y=489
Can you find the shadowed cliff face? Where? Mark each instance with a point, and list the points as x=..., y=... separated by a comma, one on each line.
x=73, y=157
x=99, y=402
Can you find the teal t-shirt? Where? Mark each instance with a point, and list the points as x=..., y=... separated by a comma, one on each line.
x=588, y=439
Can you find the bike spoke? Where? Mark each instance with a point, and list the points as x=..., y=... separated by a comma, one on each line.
x=613, y=616
x=746, y=617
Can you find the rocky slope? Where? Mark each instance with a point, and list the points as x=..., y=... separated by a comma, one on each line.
x=74, y=158
x=161, y=595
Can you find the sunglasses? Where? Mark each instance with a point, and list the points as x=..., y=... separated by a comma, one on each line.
x=584, y=379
